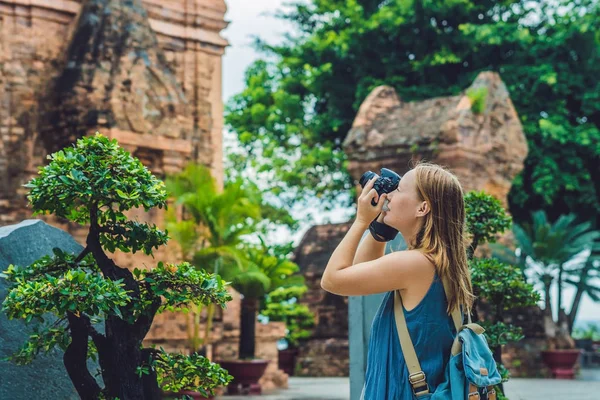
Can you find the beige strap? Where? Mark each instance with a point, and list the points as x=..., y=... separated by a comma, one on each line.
x=457, y=345
x=474, y=393
x=416, y=376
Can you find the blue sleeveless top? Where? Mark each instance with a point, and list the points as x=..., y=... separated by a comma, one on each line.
x=432, y=332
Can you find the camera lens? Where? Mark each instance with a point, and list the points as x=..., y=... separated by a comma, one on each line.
x=366, y=177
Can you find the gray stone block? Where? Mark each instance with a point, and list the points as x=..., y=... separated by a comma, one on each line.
x=45, y=378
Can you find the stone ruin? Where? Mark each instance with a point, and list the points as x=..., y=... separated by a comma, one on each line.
x=144, y=72
x=147, y=73
x=486, y=150
x=327, y=351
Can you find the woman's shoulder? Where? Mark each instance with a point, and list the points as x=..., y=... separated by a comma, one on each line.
x=416, y=264
x=417, y=258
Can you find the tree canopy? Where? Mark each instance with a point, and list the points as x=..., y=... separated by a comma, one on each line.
x=300, y=100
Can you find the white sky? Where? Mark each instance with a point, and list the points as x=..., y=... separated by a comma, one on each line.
x=250, y=18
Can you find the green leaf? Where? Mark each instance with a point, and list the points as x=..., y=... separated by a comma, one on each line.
x=122, y=194
x=117, y=312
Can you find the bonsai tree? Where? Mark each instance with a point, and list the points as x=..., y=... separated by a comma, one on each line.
x=282, y=304
x=93, y=184
x=485, y=219
x=501, y=286
x=557, y=253
x=209, y=230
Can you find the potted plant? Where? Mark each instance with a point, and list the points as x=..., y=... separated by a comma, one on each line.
x=283, y=305
x=586, y=337
x=556, y=254
x=268, y=268
x=213, y=228
x=208, y=226
x=93, y=184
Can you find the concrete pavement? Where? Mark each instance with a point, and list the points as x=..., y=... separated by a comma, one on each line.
x=552, y=389
x=587, y=387
x=305, y=389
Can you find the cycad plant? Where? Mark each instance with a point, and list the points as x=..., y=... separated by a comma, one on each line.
x=564, y=251
x=210, y=230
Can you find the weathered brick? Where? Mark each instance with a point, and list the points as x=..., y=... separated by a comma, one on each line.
x=165, y=109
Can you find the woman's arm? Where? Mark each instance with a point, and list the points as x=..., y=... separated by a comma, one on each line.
x=389, y=272
x=369, y=249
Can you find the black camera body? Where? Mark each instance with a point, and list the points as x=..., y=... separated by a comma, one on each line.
x=386, y=183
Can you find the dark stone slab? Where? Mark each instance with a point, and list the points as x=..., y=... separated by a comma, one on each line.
x=45, y=378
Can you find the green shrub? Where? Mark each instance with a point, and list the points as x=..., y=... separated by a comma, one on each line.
x=282, y=305
x=478, y=99
x=501, y=286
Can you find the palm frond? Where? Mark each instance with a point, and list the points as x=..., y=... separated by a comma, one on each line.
x=562, y=223
x=507, y=255
x=232, y=260
x=540, y=219
x=185, y=234
x=595, y=296
x=523, y=239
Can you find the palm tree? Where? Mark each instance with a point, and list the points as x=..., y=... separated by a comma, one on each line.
x=555, y=252
x=268, y=268
x=210, y=229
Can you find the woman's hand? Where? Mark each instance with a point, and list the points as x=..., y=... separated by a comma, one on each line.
x=366, y=211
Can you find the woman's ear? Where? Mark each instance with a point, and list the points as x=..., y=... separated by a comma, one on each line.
x=423, y=209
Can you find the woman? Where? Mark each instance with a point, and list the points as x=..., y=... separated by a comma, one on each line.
x=428, y=210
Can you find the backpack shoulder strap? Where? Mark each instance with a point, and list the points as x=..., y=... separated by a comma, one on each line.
x=416, y=376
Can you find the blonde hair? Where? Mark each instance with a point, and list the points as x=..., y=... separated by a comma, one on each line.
x=442, y=236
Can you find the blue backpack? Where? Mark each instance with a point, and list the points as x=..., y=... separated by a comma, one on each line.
x=471, y=373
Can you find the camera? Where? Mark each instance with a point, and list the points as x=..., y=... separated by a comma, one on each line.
x=386, y=183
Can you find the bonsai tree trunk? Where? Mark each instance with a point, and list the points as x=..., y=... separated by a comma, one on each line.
x=248, y=327
x=120, y=364
x=119, y=355
x=75, y=358
x=120, y=352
